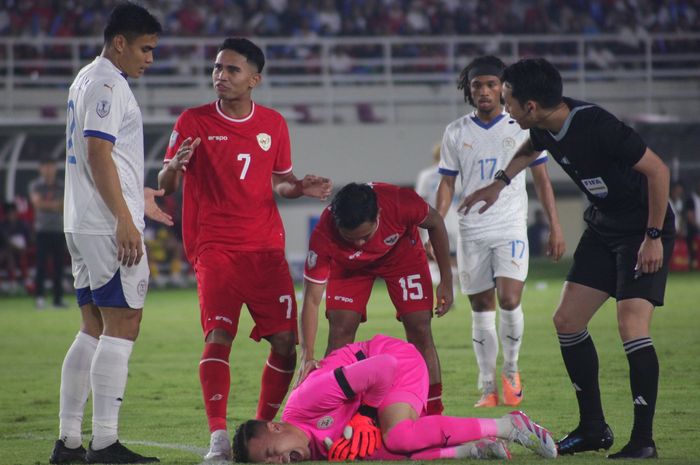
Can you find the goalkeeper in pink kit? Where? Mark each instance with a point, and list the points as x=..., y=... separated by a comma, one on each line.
x=387, y=376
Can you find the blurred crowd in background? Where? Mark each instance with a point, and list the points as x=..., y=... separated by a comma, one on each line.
x=310, y=18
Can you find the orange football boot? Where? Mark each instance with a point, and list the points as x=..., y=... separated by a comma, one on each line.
x=512, y=389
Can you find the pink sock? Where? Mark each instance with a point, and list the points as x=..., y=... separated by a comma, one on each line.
x=435, y=431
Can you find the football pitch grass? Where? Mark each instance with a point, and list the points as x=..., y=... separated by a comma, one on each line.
x=163, y=412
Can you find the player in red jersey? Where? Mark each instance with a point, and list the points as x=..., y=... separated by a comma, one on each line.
x=368, y=232
x=226, y=153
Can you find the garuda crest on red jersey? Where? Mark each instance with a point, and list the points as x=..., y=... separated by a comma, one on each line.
x=265, y=141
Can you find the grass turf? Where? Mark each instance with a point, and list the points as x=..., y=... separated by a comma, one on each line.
x=163, y=412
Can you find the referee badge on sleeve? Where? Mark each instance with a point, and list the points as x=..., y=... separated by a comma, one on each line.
x=596, y=186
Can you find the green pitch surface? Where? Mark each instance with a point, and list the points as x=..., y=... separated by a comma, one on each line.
x=163, y=414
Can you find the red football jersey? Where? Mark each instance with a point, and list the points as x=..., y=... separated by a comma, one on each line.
x=227, y=200
x=401, y=211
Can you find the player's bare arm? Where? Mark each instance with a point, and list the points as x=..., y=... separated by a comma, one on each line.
x=308, y=321
x=525, y=155
x=289, y=186
x=169, y=177
x=151, y=208
x=543, y=186
x=104, y=172
x=651, y=252
x=445, y=193
x=441, y=247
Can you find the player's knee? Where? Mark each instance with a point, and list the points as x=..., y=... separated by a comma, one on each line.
x=283, y=343
x=397, y=439
x=562, y=322
x=509, y=302
x=219, y=336
x=341, y=334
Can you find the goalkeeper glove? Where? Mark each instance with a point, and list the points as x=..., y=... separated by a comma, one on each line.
x=361, y=438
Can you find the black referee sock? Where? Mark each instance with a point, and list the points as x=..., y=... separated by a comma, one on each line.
x=581, y=360
x=644, y=382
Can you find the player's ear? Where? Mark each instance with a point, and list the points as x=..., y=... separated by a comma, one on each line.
x=119, y=42
x=273, y=426
x=255, y=80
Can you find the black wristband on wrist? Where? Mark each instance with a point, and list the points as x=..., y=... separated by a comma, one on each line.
x=502, y=176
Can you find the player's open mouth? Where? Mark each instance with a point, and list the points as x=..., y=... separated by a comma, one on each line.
x=295, y=456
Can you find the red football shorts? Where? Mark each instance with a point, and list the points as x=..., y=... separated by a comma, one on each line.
x=226, y=280
x=405, y=271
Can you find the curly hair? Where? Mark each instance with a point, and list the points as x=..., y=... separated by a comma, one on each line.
x=488, y=62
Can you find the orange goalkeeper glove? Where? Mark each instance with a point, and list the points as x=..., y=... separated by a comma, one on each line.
x=361, y=438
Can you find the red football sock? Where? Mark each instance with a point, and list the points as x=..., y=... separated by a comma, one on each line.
x=215, y=377
x=276, y=376
x=435, y=406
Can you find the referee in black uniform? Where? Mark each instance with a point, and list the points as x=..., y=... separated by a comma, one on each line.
x=624, y=251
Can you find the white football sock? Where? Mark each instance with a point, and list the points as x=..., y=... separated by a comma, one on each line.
x=108, y=374
x=485, y=341
x=510, y=330
x=75, y=388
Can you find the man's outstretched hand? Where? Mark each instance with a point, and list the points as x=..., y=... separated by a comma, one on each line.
x=151, y=208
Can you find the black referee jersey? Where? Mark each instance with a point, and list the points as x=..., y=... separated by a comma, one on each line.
x=598, y=151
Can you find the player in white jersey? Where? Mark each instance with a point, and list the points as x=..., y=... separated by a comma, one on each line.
x=427, y=184
x=492, y=256
x=103, y=221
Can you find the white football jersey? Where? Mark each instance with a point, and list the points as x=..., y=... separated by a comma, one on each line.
x=426, y=186
x=101, y=104
x=475, y=151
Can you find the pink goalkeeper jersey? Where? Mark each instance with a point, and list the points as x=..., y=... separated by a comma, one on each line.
x=228, y=201
x=320, y=408
x=401, y=211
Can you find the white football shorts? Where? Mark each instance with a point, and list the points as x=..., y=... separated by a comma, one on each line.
x=481, y=261
x=100, y=278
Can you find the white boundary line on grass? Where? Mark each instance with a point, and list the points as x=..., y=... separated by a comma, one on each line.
x=200, y=451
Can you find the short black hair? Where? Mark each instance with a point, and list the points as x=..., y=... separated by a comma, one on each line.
x=131, y=21
x=252, y=53
x=534, y=79
x=353, y=205
x=485, y=61
x=245, y=432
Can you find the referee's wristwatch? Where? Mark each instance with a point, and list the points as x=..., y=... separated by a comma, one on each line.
x=502, y=176
x=653, y=233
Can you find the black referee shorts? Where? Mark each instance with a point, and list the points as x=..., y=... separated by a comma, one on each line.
x=606, y=256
